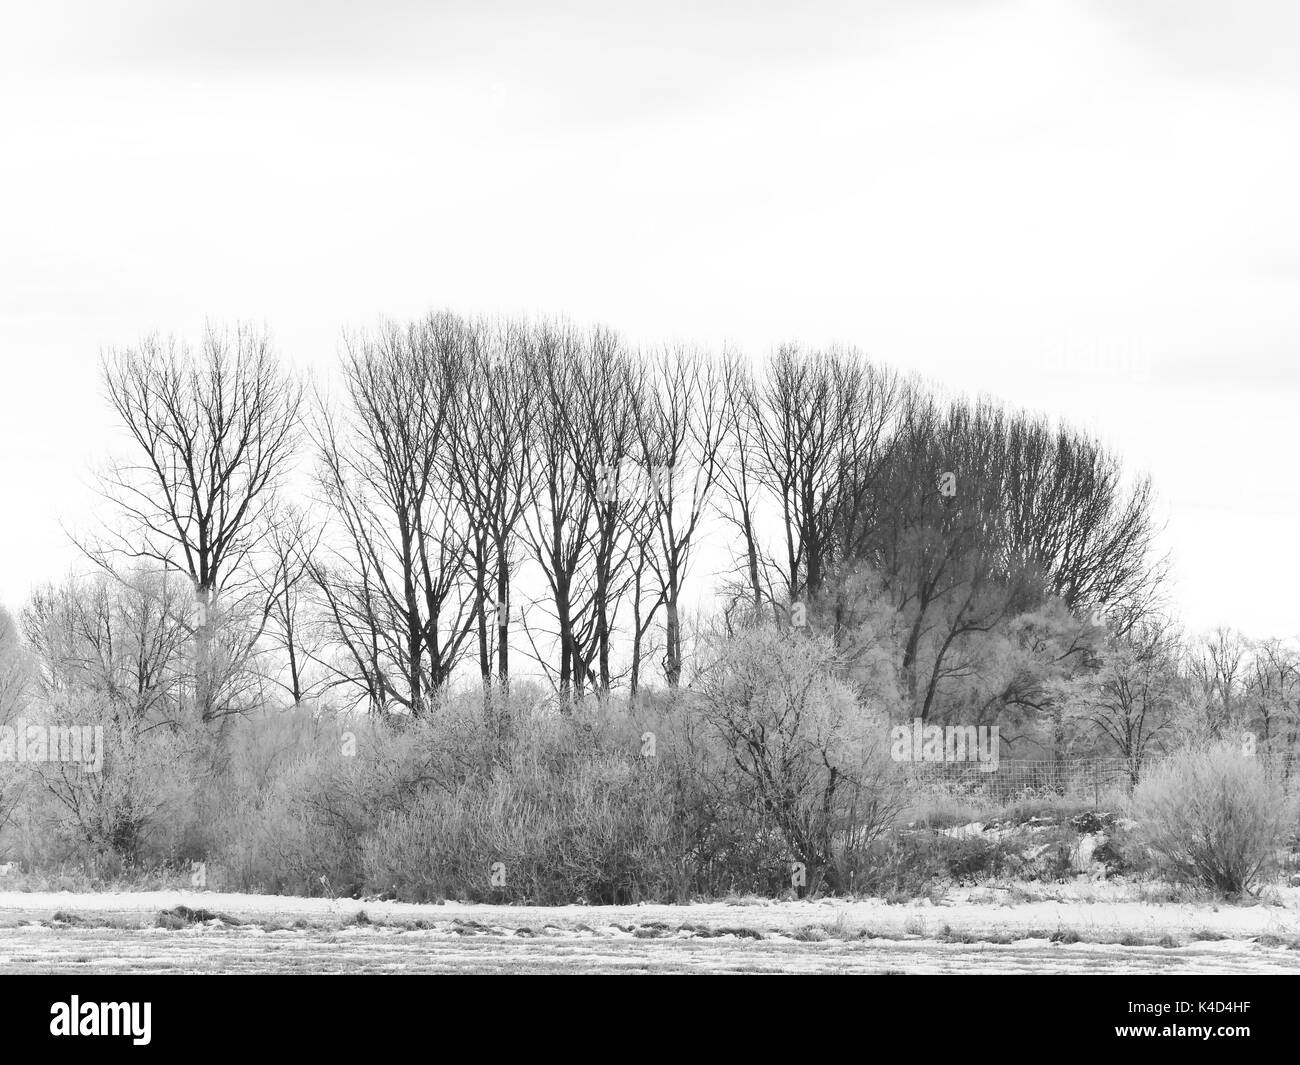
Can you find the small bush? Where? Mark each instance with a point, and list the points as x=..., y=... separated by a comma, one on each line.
x=1210, y=816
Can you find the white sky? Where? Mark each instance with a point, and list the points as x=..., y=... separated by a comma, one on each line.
x=1085, y=208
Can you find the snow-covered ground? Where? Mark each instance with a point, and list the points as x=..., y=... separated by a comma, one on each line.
x=383, y=950
x=974, y=929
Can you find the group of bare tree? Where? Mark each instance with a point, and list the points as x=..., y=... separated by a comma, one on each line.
x=474, y=493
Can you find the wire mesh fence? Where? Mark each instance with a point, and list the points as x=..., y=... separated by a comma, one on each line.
x=1020, y=780
x=1098, y=781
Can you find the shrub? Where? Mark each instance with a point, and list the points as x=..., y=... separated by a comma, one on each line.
x=1211, y=816
x=799, y=749
x=301, y=790
x=126, y=812
x=577, y=817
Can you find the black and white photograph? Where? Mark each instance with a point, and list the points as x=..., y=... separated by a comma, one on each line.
x=651, y=488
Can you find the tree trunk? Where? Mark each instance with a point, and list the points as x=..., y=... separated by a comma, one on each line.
x=673, y=639
x=503, y=618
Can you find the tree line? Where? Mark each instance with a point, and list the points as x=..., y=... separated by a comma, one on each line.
x=480, y=491
x=496, y=534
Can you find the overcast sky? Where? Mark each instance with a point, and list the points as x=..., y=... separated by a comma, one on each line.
x=1089, y=209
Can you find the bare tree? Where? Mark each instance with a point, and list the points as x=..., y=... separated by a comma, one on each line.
x=809, y=437
x=1133, y=700
x=601, y=424
x=680, y=428
x=121, y=642
x=578, y=523
x=215, y=433
x=1068, y=513
x=490, y=468
x=395, y=585
x=1272, y=691
x=293, y=537
x=562, y=503
x=739, y=489
x=971, y=516
x=1219, y=666
x=934, y=539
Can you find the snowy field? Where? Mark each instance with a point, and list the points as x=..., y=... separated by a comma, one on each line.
x=1083, y=927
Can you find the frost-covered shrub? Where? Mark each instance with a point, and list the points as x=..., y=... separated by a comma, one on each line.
x=1211, y=816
